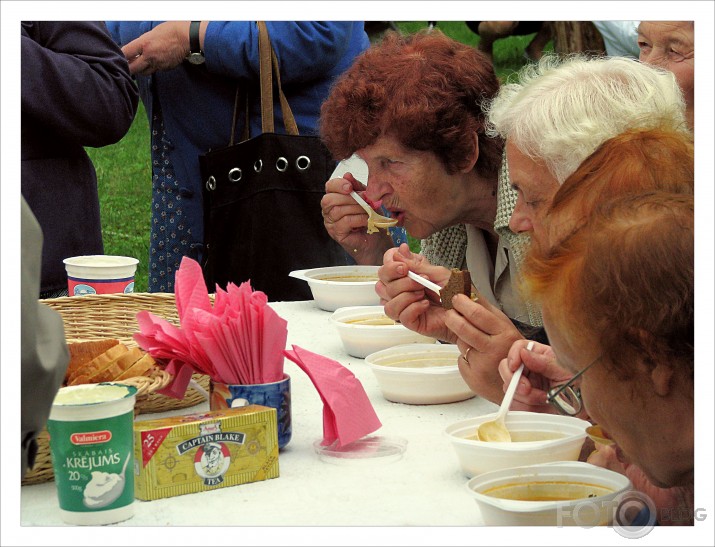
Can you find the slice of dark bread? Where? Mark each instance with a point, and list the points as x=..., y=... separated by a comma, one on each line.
x=460, y=282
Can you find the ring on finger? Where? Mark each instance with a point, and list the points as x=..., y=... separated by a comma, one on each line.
x=465, y=355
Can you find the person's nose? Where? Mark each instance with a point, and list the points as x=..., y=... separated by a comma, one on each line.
x=520, y=220
x=377, y=187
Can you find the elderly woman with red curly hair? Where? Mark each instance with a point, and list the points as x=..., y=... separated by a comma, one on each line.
x=617, y=296
x=411, y=108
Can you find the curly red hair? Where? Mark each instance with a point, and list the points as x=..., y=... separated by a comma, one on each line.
x=625, y=279
x=424, y=89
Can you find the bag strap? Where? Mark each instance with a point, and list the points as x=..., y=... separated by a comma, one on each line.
x=266, y=78
x=240, y=97
x=268, y=64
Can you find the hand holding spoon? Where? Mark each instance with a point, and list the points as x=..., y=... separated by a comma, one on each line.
x=495, y=430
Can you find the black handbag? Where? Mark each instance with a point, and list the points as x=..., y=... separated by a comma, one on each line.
x=262, y=215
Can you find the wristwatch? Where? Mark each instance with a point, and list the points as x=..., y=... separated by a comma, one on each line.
x=195, y=56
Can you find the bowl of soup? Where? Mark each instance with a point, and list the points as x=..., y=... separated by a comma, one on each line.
x=554, y=494
x=419, y=374
x=536, y=438
x=366, y=329
x=340, y=286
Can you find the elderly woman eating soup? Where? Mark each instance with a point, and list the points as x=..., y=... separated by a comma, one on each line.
x=411, y=107
x=617, y=296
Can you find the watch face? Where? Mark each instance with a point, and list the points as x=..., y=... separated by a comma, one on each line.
x=196, y=58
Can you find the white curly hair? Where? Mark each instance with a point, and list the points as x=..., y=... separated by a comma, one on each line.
x=563, y=108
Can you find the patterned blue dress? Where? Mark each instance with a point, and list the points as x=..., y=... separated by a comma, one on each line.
x=170, y=235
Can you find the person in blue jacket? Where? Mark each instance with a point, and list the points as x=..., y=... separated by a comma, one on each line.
x=76, y=92
x=188, y=72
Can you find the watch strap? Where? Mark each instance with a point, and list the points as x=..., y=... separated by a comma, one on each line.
x=194, y=43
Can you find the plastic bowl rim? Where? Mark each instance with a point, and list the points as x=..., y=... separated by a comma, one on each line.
x=525, y=506
x=514, y=447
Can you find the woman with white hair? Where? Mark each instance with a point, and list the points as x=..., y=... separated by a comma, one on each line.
x=561, y=111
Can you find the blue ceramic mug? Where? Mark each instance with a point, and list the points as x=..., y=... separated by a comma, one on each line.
x=275, y=395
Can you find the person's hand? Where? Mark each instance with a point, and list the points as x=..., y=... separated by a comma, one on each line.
x=674, y=506
x=541, y=372
x=606, y=456
x=346, y=222
x=484, y=335
x=407, y=301
x=162, y=48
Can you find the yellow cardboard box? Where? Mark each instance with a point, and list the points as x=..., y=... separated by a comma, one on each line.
x=204, y=451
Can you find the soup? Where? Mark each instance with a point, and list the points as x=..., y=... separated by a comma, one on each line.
x=547, y=491
x=346, y=278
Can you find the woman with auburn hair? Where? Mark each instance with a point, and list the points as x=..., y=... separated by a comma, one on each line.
x=419, y=95
x=411, y=108
x=617, y=297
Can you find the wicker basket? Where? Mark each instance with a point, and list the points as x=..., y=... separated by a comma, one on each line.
x=114, y=316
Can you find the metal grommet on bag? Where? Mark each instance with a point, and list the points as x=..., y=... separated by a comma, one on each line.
x=234, y=175
x=302, y=163
x=258, y=166
x=281, y=164
x=211, y=184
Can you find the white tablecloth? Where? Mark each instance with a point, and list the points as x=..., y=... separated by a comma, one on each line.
x=423, y=488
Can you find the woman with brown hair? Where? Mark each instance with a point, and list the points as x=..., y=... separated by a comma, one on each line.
x=412, y=108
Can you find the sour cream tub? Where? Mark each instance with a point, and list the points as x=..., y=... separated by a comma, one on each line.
x=91, y=429
x=100, y=274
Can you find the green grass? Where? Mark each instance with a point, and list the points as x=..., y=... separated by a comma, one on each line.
x=124, y=183
x=124, y=169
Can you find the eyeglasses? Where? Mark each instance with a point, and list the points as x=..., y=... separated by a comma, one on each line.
x=566, y=398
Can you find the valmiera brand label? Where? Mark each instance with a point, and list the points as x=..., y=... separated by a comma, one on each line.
x=90, y=438
x=92, y=447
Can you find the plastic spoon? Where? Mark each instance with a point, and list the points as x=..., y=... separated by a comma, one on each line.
x=495, y=430
x=425, y=282
x=374, y=219
x=597, y=436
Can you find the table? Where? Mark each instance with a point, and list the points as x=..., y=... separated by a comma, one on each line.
x=423, y=488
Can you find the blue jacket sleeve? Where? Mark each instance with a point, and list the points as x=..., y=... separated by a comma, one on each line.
x=306, y=50
x=76, y=80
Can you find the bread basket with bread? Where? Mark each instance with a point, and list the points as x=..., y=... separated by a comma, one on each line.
x=99, y=330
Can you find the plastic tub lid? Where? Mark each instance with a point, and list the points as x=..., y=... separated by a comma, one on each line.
x=367, y=449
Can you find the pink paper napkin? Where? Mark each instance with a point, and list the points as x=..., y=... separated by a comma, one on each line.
x=348, y=414
x=238, y=340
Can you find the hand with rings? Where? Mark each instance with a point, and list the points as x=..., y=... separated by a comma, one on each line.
x=346, y=222
x=486, y=329
x=327, y=217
